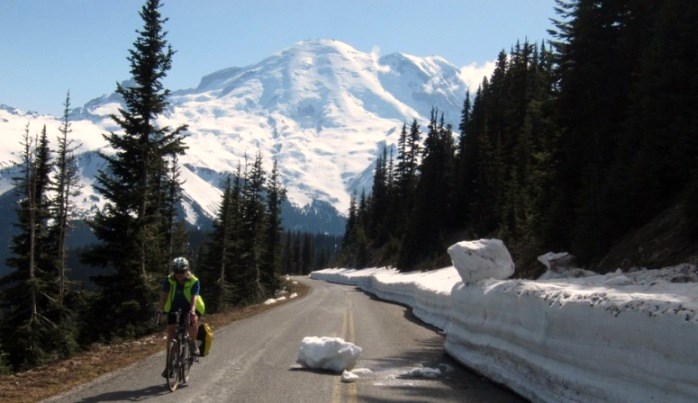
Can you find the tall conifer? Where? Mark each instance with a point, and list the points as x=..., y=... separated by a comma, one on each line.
x=26, y=300
x=271, y=264
x=65, y=183
x=130, y=226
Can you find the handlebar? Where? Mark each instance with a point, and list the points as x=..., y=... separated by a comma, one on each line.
x=178, y=315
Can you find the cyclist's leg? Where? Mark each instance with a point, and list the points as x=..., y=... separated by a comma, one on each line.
x=171, y=325
x=193, y=330
x=193, y=327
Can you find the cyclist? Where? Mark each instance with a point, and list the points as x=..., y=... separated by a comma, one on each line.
x=180, y=291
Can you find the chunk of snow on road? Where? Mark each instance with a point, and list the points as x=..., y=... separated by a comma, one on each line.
x=349, y=377
x=329, y=353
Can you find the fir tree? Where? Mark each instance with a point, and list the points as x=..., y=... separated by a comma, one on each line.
x=252, y=231
x=431, y=217
x=271, y=265
x=216, y=269
x=65, y=183
x=171, y=195
x=64, y=186
x=130, y=226
x=379, y=201
x=26, y=332
x=594, y=64
x=307, y=254
x=288, y=254
x=406, y=177
x=462, y=182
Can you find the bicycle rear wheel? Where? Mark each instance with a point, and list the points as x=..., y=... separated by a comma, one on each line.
x=171, y=368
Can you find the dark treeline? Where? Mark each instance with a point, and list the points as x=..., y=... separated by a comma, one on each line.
x=247, y=251
x=305, y=251
x=240, y=263
x=567, y=146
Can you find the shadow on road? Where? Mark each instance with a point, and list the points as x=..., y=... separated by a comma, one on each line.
x=131, y=395
x=402, y=375
x=314, y=371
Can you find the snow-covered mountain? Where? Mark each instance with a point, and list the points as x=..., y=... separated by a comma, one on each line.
x=322, y=109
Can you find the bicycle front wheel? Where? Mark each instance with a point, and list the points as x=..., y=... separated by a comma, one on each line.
x=186, y=362
x=171, y=368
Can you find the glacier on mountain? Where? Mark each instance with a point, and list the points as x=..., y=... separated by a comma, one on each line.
x=322, y=109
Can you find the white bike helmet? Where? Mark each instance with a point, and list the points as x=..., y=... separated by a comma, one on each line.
x=180, y=265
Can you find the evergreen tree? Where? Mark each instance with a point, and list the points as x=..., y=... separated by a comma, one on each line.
x=401, y=167
x=216, y=270
x=594, y=62
x=271, y=264
x=252, y=231
x=296, y=255
x=65, y=183
x=406, y=177
x=461, y=180
x=26, y=300
x=172, y=194
x=690, y=206
x=130, y=226
x=288, y=254
x=307, y=254
x=379, y=201
x=656, y=150
x=431, y=218
x=349, y=238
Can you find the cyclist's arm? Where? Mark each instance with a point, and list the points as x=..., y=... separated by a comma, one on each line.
x=163, y=298
x=194, y=293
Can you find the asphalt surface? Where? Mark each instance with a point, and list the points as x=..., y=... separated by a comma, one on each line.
x=254, y=360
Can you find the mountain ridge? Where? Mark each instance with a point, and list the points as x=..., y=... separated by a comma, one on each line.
x=321, y=108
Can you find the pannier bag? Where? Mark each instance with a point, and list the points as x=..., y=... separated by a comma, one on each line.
x=205, y=335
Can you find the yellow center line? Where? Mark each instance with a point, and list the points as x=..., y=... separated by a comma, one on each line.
x=352, y=387
x=341, y=391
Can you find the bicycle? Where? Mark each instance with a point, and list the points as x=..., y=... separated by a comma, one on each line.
x=179, y=359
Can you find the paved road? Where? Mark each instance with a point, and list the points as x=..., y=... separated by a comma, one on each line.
x=253, y=360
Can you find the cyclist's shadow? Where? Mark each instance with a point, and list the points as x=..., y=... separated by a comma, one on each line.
x=131, y=395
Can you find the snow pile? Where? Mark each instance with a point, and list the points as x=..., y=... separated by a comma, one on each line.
x=571, y=335
x=484, y=258
x=272, y=301
x=428, y=293
x=349, y=377
x=601, y=338
x=328, y=353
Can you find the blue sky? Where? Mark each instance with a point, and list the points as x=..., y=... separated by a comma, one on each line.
x=48, y=47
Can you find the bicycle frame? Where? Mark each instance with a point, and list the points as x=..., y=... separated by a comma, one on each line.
x=179, y=359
